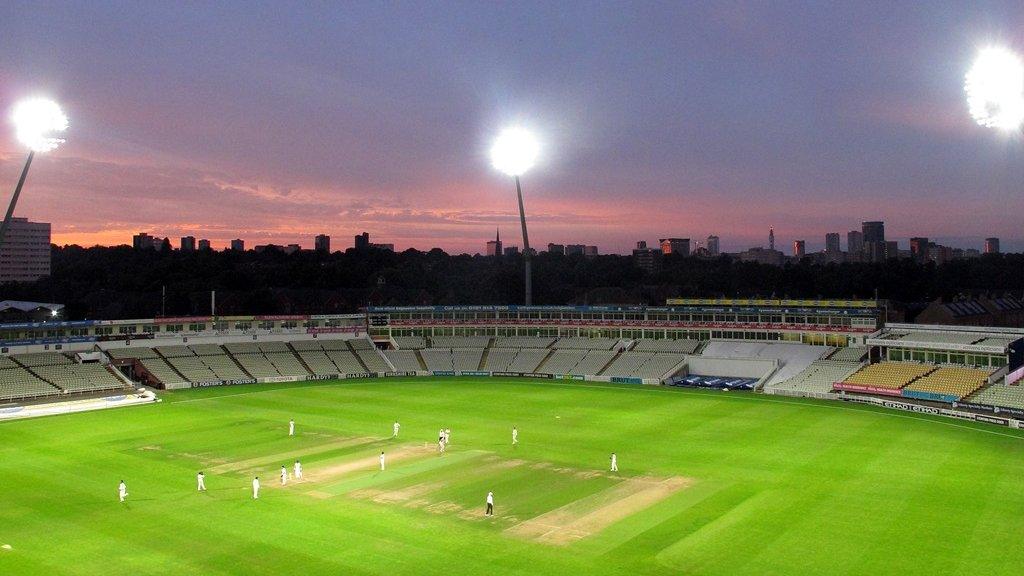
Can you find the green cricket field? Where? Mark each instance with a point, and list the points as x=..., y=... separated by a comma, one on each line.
x=716, y=483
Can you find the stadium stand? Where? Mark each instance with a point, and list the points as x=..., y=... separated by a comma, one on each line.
x=286, y=363
x=17, y=383
x=1000, y=395
x=91, y=377
x=410, y=342
x=890, y=375
x=162, y=371
x=819, y=377
x=791, y=358
x=561, y=361
x=306, y=345
x=583, y=343
x=345, y=360
x=527, y=360
x=318, y=362
x=437, y=359
x=522, y=342
x=274, y=347
x=499, y=359
x=335, y=344
x=952, y=381
x=467, y=359
x=849, y=354
x=404, y=360
x=257, y=365
x=192, y=368
x=683, y=346
x=941, y=337
x=207, y=349
x=174, y=351
x=460, y=341
x=371, y=358
x=627, y=363
x=360, y=344
x=242, y=348
x=41, y=359
x=122, y=353
x=593, y=362
x=223, y=367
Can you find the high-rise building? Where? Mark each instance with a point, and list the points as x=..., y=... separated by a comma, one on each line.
x=679, y=246
x=362, y=241
x=644, y=257
x=143, y=240
x=292, y=248
x=238, y=245
x=919, y=249
x=25, y=253
x=556, y=249
x=188, y=244
x=799, y=248
x=389, y=247
x=322, y=243
x=991, y=245
x=494, y=246
x=874, y=231
x=511, y=251
x=204, y=244
x=854, y=241
x=574, y=249
x=590, y=251
x=712, y=246
x=832, y=243
x=771, y=238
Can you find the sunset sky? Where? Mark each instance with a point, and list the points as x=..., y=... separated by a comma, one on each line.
x=276, y=123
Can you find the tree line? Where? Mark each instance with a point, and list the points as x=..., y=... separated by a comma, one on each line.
x=121, y=282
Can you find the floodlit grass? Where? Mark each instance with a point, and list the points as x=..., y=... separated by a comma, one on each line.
x=710, y=483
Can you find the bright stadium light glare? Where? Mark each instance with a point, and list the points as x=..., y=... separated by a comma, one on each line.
x=35, y=120
x=995, y=89
x=515, y=151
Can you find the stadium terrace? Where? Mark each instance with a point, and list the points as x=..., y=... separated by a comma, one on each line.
x=841, y=350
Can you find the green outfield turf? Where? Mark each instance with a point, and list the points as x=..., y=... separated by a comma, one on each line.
x=709, y=483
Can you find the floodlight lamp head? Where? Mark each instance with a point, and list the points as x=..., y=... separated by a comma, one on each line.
x=515, y=151
x=35, y=120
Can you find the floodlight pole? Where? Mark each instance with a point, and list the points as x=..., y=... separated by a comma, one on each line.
x=14, y=199
x=526, y=245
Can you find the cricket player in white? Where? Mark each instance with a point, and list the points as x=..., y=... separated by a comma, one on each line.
x=382, y=460
x=615, y=463
x=447, y=436
x=395, y=428
x=515, y=436
x=298, y=470
x=201, y=482
x=440, y=445
x=284, y=475
x=256, y=488
x=291, y=427
x=490, y=504
x=122, y=491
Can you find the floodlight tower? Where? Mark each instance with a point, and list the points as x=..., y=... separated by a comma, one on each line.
x=34, y=122
x=515, y=152
x=995, y=89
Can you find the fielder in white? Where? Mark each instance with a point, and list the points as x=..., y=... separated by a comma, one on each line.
x=122, y=491
x=201, y=482
x=284, y=475
x=256, y=488
x=490, y=504
x=298, y=470
x=447, y=436
x=615, y=463
x=440, y=445
x=515, y=436
x=291, y=427
x=395, y=428
x=382, y=461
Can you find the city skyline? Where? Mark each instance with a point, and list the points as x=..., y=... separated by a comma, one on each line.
x=266, y=135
